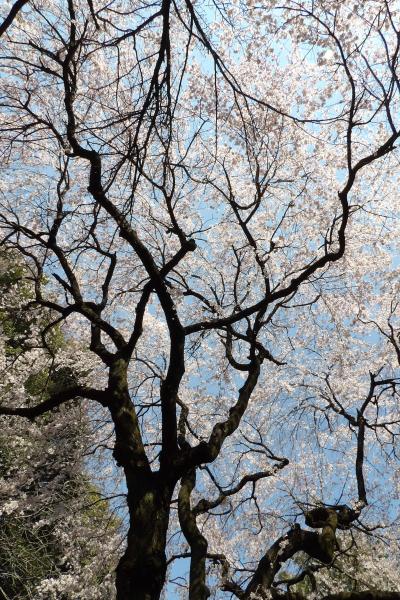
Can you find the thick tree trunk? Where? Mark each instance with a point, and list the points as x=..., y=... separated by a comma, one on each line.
x=141, y=571
x=140, y=574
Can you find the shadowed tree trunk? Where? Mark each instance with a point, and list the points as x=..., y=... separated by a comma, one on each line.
x=140, y=574
x=141, y=570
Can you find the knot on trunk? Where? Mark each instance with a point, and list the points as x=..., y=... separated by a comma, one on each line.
x=326, y=543
x=322, y=517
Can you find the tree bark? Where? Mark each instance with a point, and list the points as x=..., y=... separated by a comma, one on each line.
x=141, y=571
x=140, y=574
x=198, y=589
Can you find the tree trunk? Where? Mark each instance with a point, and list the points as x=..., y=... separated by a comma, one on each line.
x=141, y=571
x=140, y=574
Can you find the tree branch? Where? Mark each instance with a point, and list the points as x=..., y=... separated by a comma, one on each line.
x=15, y=9
x=56, y=400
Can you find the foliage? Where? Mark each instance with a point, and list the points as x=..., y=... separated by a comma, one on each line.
x=50, y=510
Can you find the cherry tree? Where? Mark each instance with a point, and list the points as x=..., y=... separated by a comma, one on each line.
x=206, y=197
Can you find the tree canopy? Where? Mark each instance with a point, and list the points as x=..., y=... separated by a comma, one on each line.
x=205, y=195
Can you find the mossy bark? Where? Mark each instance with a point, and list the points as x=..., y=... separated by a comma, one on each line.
x=142, y=569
